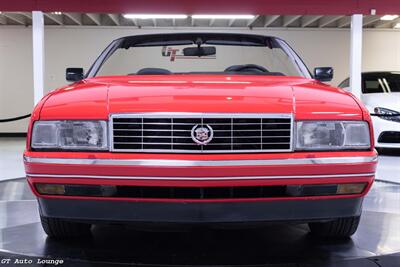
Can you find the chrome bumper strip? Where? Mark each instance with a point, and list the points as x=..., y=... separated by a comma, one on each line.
x=201, y=163
x=201, y=178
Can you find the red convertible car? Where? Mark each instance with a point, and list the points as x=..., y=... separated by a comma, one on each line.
x=199, y=128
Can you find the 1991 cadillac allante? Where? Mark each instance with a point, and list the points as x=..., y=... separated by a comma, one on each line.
x=199, y=128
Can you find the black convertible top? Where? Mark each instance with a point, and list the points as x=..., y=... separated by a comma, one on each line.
x=237, y=39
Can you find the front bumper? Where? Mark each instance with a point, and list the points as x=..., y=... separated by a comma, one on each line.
x=149, y=170
x=380, y=126
x=183, y=212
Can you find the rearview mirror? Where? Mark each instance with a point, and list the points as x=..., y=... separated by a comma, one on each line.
x=199, y=51
x=323, y=74
x=74, y=74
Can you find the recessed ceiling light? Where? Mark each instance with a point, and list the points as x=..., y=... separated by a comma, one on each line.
x=57, y=13
x=223, y=16
x=389, y=17
x=155, y=16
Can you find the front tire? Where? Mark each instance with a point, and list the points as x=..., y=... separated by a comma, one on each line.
x=339, y=228
x=59, y=228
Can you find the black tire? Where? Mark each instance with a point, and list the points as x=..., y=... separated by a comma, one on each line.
x=339, y=228
x=59, y=228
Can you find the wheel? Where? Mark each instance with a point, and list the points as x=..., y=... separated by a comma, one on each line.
x=59, y=228
x=339, y=228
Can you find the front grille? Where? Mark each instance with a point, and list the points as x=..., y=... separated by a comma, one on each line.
x=201, y=192
x=175, y=133
x=389, y=137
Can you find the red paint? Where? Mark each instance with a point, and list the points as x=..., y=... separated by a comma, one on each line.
x=307, y=99
x=97, y=98
x=291, y=170
x=282, y=7
x=255, y=156
x=317, y=169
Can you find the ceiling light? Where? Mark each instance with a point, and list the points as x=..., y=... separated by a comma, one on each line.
x=223, y=16
x=155, y=16
x=389, y=17
x=57, y=13
x=397, y=26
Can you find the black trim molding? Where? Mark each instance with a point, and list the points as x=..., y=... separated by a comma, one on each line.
x=12, y=134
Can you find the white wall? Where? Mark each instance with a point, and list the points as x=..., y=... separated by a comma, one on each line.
x=16, y=77
x=381, y=51
x=79, y=47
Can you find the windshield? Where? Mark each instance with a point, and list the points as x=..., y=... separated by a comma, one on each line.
x=381, y=83
x=165, y=54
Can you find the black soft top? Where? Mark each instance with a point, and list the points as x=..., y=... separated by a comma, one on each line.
x=161, y=39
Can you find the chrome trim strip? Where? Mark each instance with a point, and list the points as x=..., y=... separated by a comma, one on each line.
x=185, y=115
x=200, y=178
x=201, y=163
x=198, y=115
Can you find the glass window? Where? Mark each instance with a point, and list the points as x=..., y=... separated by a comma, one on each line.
x=131, y=61
x=345, y=83
x=381, y=83
x=166, y=55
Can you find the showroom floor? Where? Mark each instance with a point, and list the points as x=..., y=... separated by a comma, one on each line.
x=272, y=245
x=378, y=234
x=11, y=163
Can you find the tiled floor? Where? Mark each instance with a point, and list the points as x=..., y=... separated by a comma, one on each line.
x=11, y=163
x=389, y=168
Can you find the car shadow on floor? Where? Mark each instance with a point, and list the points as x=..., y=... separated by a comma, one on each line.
x=273, y=244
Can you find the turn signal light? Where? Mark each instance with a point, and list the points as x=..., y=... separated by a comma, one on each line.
x=350, y=188
x=50, y=189
x=76, y=190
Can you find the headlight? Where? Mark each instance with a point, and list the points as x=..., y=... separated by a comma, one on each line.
x=70, y=135
x=332, y=135
x=392, y=115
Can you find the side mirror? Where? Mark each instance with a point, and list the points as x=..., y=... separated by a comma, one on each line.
x=74, y=74
x=323, y=74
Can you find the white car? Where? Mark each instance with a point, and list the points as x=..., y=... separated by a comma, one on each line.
x=381, y=95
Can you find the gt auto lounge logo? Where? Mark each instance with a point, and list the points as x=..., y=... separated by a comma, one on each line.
x=176, y=53
x=27, y=261
x=169, y=52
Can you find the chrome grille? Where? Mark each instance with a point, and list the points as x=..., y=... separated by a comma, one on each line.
x=171, y=132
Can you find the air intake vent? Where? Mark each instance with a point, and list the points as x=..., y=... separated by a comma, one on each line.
x=201, y=133
x=389, y=137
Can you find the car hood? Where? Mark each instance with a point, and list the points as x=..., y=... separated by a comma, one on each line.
x=96, y=98
x=383, y=100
